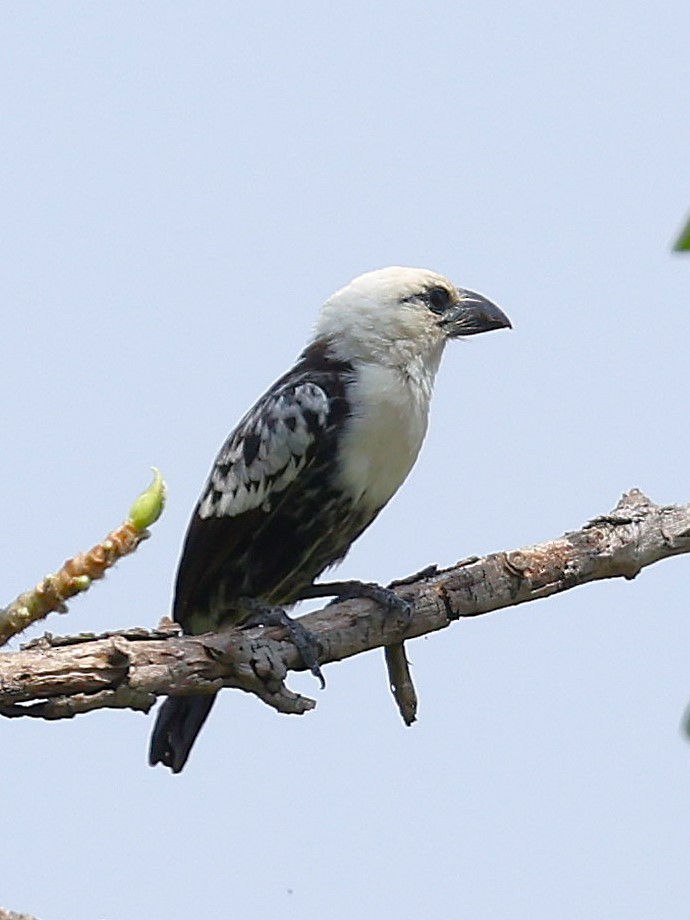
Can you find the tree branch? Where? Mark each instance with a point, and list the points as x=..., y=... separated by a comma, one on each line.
x=54, y=678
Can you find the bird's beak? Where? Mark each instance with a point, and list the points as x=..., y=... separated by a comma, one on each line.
x=473, y=313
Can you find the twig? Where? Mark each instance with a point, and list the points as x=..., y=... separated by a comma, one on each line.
x=79, y=572
x=400, y=682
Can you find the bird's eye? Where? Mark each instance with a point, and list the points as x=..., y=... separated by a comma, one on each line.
x=439, y=299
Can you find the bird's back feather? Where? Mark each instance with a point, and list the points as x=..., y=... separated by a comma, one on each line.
x=270, y=518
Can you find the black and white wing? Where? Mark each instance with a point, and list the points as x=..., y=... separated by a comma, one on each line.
x=258, y=528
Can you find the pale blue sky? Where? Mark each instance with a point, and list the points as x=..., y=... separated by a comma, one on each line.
x=182, y=185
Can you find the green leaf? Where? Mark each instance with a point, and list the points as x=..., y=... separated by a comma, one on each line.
x=149, y=506
x=682, y=244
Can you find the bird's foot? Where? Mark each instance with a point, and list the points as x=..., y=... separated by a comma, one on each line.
x=346, y=590
x=304, y=641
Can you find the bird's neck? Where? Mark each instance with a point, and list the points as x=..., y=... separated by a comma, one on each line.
x=389, y=411
x=416, y=366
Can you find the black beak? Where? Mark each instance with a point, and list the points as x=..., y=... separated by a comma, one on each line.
x=473, y=313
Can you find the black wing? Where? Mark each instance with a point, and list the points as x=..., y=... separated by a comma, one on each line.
x=267, y=498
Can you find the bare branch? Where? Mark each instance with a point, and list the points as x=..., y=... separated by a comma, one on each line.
x=59, y=677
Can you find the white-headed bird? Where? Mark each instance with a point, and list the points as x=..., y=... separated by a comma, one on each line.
x=310, y=466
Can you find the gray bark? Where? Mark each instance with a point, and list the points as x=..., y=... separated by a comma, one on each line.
x=53, y=677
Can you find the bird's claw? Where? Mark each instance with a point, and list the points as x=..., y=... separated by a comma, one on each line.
x=388, y=599
x=304, y=641
x=347, y=590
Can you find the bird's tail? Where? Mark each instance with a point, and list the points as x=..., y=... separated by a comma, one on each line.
x=179, y=722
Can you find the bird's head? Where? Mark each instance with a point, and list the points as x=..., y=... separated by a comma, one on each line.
x=402, y=313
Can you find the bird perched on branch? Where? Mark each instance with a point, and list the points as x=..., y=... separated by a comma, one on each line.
x=310, y=466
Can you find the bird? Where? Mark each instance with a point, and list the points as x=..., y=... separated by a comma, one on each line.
x=312, y=463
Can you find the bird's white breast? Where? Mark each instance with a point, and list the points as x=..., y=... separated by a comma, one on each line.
x=385, y=432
